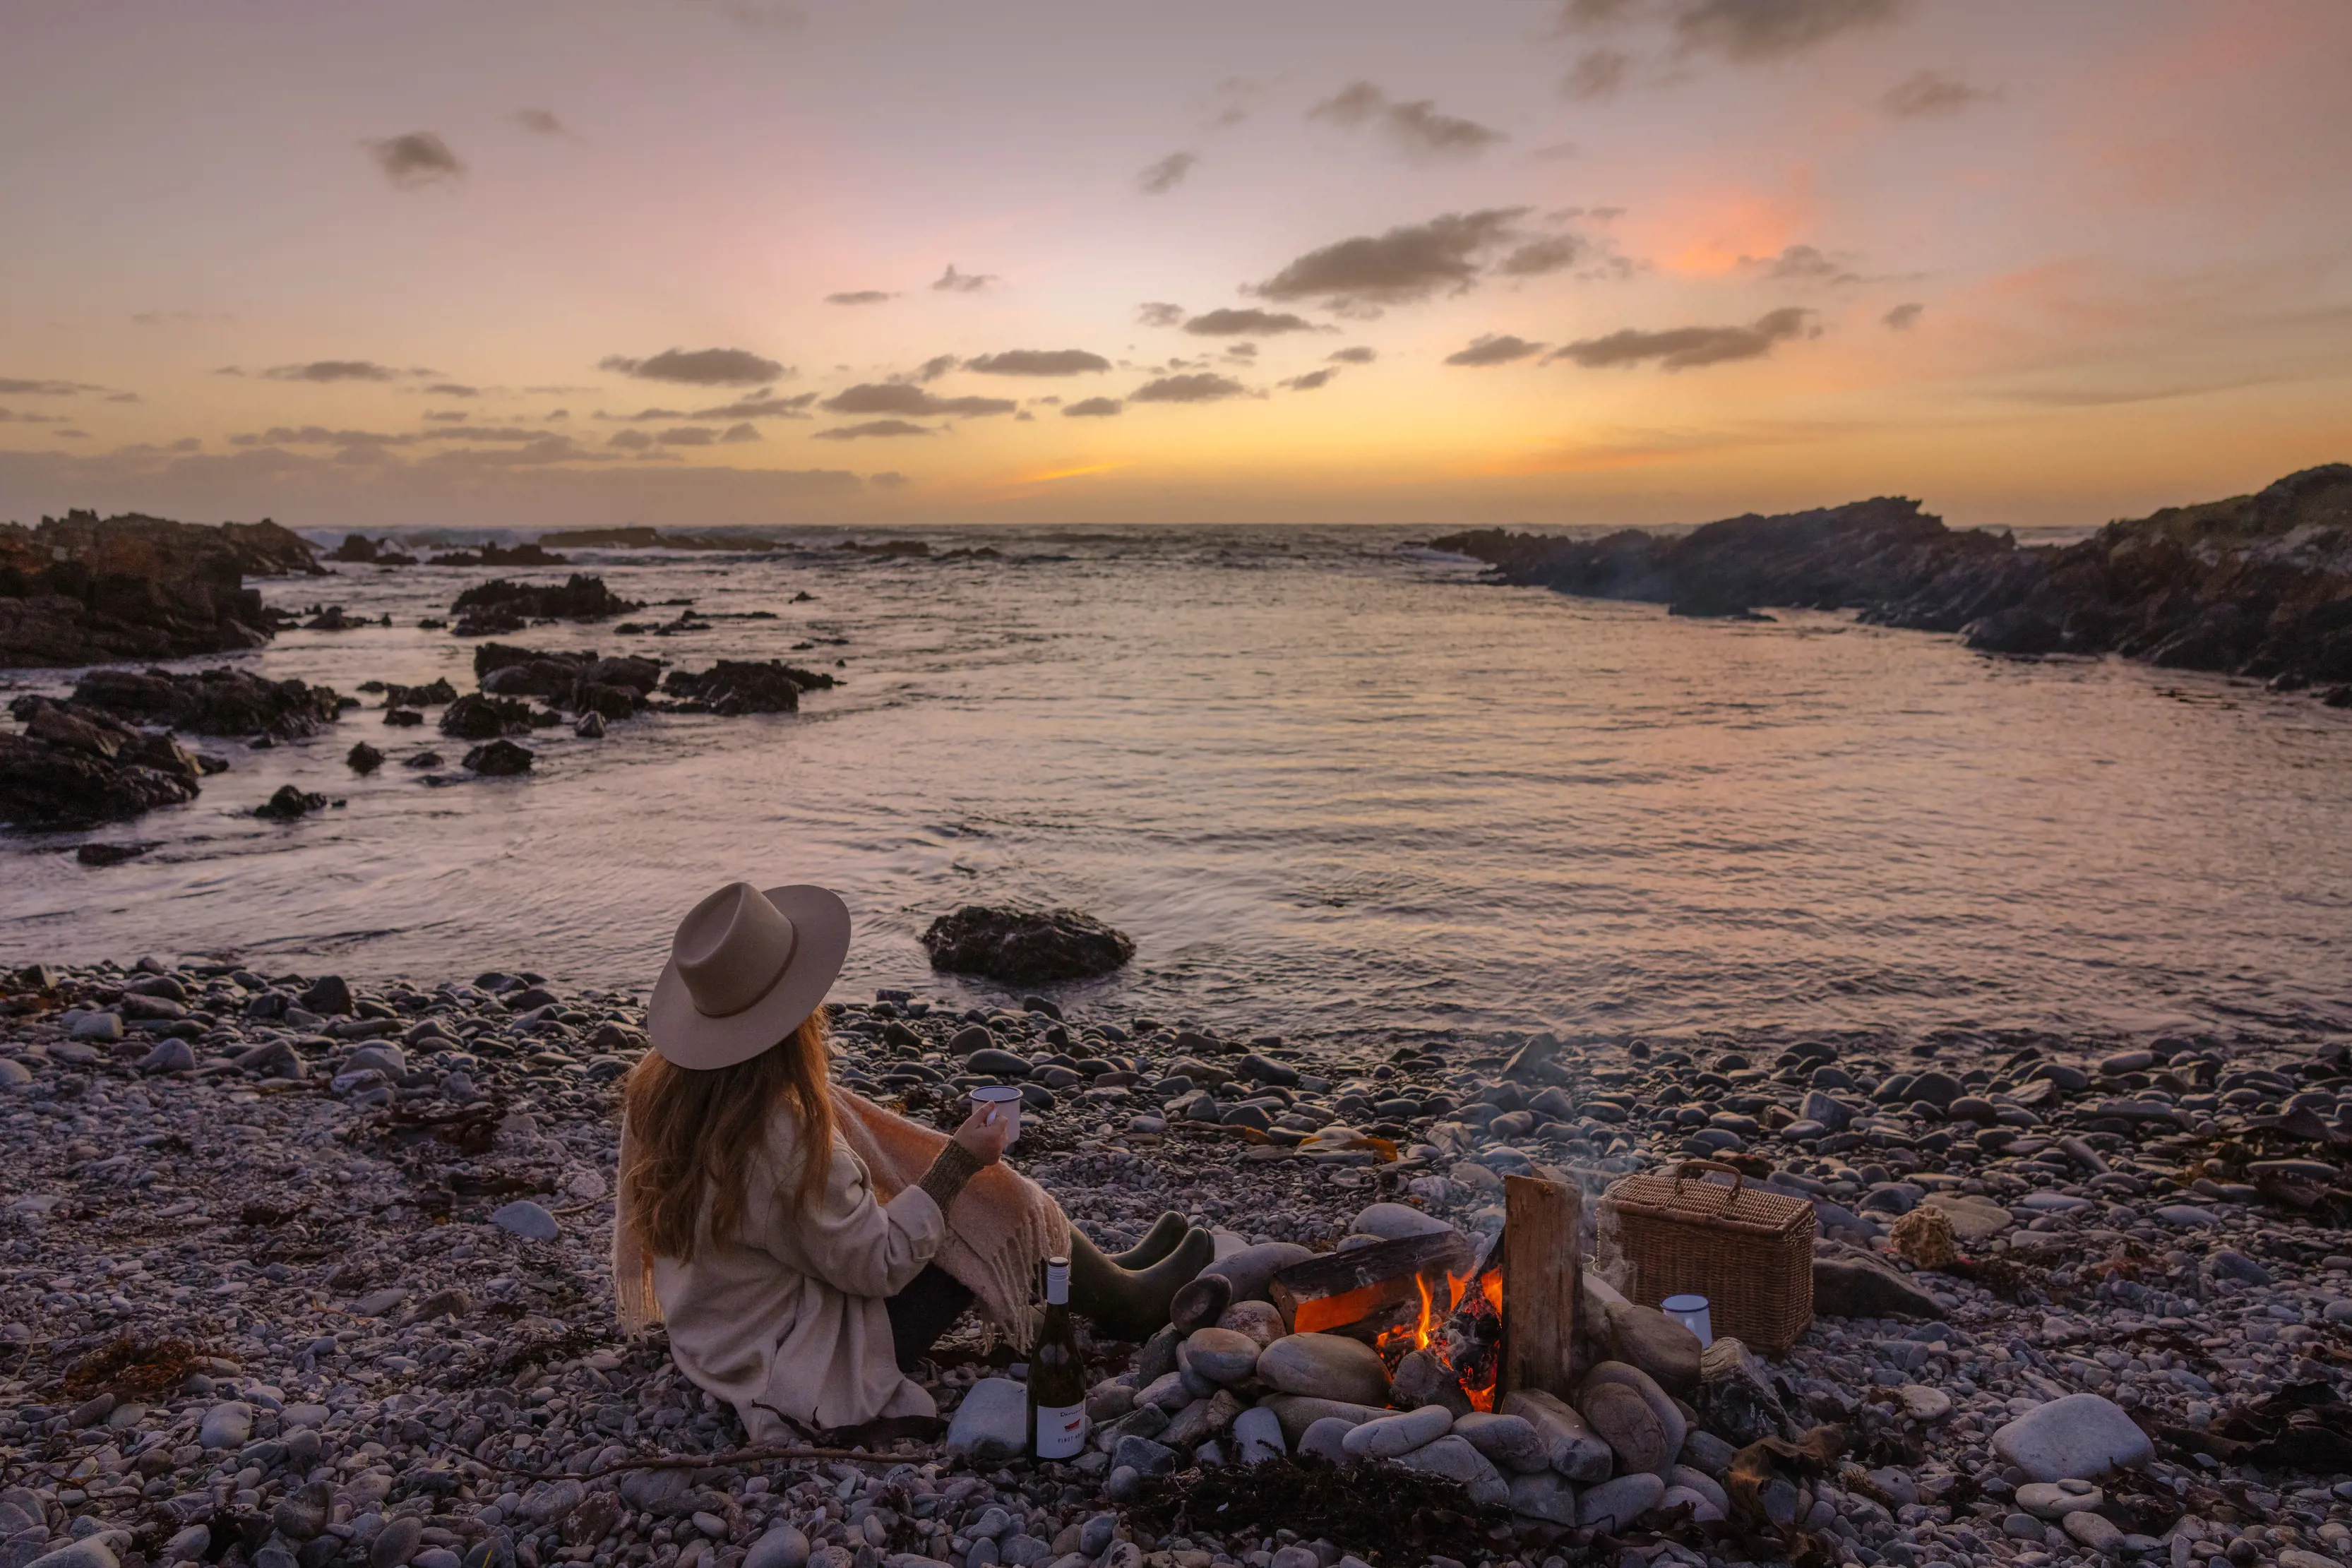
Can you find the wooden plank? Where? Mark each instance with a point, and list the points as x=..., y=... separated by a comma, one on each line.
x=1541, y=1272
x=1382, y=1273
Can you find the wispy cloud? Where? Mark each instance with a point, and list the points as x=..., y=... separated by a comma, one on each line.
x=1927, y=93
x=954, y=282
x=1094, y=408
x=1312, y=380
x=1167, y=174
x=416, y=160
x=1905, y=317
x=1410, y=262
x=1199, y=387
x=1692, y=348
x=1494, y=348
x=1356, y=356
x=699, y=367
x=873, y=427
x=860, y=296
x=332, y=371
x=1159, y=313
x=1417, y=126
x=899, y=397
x=1230, y=322
x=1038, y=362
x=540, y=122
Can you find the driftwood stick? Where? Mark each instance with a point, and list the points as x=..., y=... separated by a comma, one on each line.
x=1540, y=1284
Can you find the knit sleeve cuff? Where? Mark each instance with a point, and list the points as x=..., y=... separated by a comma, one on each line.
x=954, y=1167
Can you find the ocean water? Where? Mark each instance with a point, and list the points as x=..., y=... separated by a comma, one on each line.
x=1333, y=785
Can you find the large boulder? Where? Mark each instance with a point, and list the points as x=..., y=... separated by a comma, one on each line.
x=1025, y=947
x=1325, y=1366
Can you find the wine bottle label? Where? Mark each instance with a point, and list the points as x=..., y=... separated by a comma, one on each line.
x=1061, y=1431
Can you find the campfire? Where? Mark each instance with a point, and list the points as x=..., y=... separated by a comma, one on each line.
x=1444, y=1321
x=1464, y=1337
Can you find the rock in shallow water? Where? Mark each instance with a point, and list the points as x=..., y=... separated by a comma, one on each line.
x=1025, y=947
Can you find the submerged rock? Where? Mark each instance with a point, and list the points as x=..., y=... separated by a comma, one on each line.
x=1025, y=947
x=77, y=767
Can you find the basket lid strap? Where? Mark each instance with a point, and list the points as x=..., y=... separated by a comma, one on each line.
x=1739, y=1177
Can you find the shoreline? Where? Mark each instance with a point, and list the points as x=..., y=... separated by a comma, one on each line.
x=333, y=1257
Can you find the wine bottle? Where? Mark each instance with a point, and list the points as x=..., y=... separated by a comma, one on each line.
x=1058, y=1390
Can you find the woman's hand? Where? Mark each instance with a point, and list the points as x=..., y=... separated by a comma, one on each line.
x=983, y=1138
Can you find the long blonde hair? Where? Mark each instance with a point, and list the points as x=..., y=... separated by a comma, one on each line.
x=695, y=1132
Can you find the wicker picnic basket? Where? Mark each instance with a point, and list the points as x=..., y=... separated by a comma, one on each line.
x=1749, y=1253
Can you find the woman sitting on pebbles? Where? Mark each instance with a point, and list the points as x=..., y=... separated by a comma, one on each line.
x=805, y=1244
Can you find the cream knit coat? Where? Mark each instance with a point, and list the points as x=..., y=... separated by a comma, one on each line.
x=787, y=1321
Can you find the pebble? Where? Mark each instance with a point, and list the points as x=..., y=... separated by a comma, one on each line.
x=1457, y=1460
x=2082, y=1436
x=993, y=1422
x=1390, y=1436
x=1614, y=1505
x=527, y=1220
x=1258, y=1432
x=1221, y=1355
x=1623, y=1420
x=1325, y=1366
x=228, y=1425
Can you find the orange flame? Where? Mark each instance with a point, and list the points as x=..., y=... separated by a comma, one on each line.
x=1422, y=1333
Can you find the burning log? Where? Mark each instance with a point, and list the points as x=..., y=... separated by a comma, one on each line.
x=1365, y=1291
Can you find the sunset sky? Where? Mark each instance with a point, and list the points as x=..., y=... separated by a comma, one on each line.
x=688, y=262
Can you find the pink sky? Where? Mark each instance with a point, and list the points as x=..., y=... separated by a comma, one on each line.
x=534, y=264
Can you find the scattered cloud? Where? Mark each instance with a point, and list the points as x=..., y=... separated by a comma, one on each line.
x=899, y=397
x=700, y=367
x=1311, y=379
x=332, y=371
x=73, y=435
x=1201, y=387
x=1251, y=323
x=21, y=388
x=1357, y=356
x=1692, y=348
x=930, y=369
x=736, y=434
x=1094, y=408
x=1905, y=317
x=630, y=440
x=1167, y=174
x=760, y=406
x=1038, y=362
x=416, y=160
x=861, y=296
x=644, y=415
x=1494, y=348
x=1236, y=99
x=454, y=389
x=688, y=435
x=889, y=480
x=1925, y=93
x=1801, y=264
x=873, y=428
x=1159, y=313
x=1417, y=126
x=8, y=418
x=1407, y=263
x=447, y=417
x=1747, y=31
x=540, y=122
x=1597, y=75
x=1553, y=253
x=954, y=282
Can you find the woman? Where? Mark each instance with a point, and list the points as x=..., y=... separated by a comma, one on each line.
x=805, y=1244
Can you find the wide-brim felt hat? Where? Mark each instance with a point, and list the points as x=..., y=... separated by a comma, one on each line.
x=746, y=969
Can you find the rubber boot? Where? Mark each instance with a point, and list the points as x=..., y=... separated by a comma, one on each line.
x=1132, y=1304
x=1160, y=1240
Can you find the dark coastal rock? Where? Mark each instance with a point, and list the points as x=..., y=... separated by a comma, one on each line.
x=499, y=759
x=477, y=717
x=291, y=804
x=738, y=686
x=577, y=682
x=212, y=702
x=109, y=854
x=358, y=550
x=2257, y=585
x=76, y=768
x=499, y=606
x=363, y=758
x=1025, y=947
x=431, y=695
x=501, y=555
x=85, y=590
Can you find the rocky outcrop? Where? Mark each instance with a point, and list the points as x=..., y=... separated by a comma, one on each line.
x=733, y=686
x=1024, y=947
x=2258, y=585
x=83, y=589
x=74, y=766
x=499, y=607
x=477, y=717
x=212, y=702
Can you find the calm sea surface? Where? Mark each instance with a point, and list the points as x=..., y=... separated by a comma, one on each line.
x=1331, y=785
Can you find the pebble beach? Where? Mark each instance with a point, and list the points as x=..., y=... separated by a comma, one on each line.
x=300, y=1273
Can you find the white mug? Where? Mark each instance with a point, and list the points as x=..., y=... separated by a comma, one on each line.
x=1692, y=1312
x=999, y=1100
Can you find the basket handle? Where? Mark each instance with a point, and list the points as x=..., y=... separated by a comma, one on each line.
x=1739, y=1177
